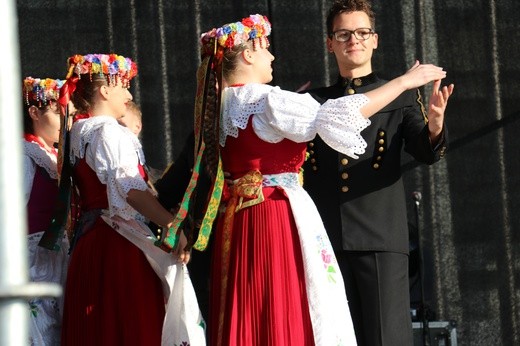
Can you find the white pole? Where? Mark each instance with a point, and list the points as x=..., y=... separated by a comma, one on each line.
x=14, y=286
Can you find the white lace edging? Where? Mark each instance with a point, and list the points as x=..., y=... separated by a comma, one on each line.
x=41, y=157
x=278, y=113
x=340, y=122
x=238, y=104
x=85, y=129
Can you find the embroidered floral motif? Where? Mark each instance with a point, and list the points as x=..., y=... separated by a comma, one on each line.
x=329, y=261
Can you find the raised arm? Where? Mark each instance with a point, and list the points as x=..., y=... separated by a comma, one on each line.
x=415, y=77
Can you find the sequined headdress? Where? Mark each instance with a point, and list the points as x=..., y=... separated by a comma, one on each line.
x=40, y=91
x=113, y=66
x=230, y=35
x=200, y=203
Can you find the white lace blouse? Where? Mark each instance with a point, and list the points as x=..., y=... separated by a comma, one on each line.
x=113, y=152
x=279, y=114
x=34, y=155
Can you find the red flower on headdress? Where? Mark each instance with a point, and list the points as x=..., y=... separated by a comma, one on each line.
x=133, y=70
x=248, y=22
x=75, y=59
x=230, y=42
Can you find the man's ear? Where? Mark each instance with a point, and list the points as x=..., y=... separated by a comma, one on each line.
x=376, y=40
x=329, y=45
x=34, y=112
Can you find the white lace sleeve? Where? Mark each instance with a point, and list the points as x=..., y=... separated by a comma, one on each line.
x=299, y=118
x=29, y=169
x=112, y=154
x=287, y=115
x=340, y=122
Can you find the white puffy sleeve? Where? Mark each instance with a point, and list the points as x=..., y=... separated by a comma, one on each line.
x=339, y=123
x=29, y=169
x=112, y=154
x=287, y=115
x=300, y=118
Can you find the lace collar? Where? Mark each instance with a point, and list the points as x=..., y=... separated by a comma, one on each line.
x=238, y=104
x=41, y=157
x=85, y=130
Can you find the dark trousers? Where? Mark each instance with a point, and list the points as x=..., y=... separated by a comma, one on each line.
x=379, y=298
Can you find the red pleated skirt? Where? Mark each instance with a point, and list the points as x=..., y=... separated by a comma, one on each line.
x=112, y=295
x=264, y=301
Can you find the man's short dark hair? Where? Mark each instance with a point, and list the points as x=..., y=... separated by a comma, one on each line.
x=347, y=6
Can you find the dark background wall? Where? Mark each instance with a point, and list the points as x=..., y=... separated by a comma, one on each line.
x=467, y=219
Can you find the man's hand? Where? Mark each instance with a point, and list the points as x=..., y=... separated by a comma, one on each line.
x=436, y=108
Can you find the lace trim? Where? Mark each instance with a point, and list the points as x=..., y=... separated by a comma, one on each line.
x=88, y=129
x=340, y=123
x=41, y=157
x=238, y=104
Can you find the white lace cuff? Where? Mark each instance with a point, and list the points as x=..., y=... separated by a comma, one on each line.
x=340, y=122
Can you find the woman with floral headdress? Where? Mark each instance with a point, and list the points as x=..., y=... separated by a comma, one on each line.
x=275, y=280
x=121, y=288
x=41, y=132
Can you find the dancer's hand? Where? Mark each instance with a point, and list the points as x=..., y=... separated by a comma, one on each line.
x=436, y=108
x=421, y=74
x=179, y=252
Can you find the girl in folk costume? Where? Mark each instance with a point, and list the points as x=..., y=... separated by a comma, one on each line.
x=121, y=288
x=41, y=132
x=275, y=280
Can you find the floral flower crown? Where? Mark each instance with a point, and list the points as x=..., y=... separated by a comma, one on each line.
x=113, y=66
x=234, y=34
x=41, y=91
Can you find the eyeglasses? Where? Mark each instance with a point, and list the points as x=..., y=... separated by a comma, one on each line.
x=344, y=35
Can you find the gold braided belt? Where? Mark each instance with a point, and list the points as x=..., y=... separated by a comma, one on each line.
x=249, y=188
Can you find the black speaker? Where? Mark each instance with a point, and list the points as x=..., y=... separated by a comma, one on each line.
x=438, y=333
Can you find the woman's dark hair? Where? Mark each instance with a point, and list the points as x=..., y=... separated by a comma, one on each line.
x=86, y=88
x=42, y=107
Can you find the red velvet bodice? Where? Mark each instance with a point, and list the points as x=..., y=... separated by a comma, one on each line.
x=249, y=152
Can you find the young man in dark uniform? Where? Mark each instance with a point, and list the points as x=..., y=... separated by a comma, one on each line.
x=362, y=201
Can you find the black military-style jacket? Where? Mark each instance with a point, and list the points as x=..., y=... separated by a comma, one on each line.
x=362, y=201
